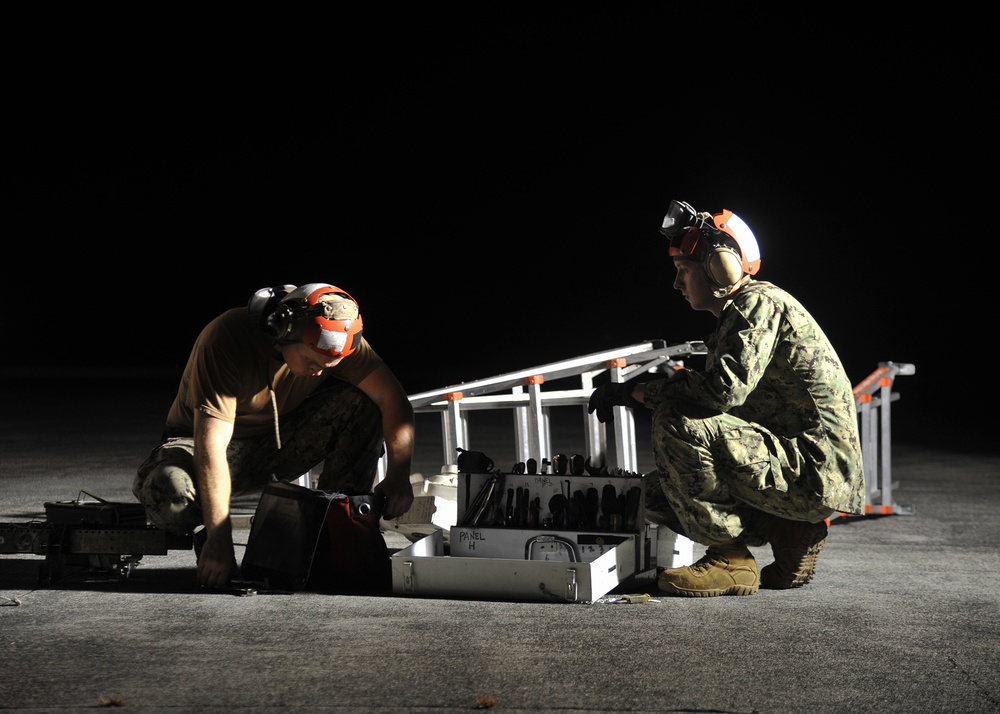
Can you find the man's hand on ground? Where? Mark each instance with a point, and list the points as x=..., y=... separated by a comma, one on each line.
x=217, y=561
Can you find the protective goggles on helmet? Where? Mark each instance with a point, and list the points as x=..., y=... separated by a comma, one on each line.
x=683, y=226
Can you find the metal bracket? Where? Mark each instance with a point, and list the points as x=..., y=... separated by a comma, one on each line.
x=571, y=588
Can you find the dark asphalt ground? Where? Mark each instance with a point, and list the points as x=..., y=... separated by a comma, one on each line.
x=901, y=616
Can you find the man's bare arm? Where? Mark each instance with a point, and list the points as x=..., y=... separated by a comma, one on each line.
x=217, y=561
x=398, y=428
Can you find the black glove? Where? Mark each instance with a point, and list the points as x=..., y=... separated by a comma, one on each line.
x=612, y=394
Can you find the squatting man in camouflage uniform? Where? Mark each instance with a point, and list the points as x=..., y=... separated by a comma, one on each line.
x=761, y=446
x=271, y=390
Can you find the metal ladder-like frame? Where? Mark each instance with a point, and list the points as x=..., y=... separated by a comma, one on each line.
x=873, y=396
x=522, y=391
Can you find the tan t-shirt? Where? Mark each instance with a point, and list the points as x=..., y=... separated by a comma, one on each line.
x=232, y=369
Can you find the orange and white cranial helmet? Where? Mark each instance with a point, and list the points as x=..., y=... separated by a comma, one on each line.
x=697, y=235
x=735, y=227
x=326, y=317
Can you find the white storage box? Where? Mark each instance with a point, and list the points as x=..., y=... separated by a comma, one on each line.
x=422, y=569
x=563, y=550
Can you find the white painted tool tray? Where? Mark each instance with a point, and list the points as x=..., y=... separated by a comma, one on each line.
x=422, y=570
x=496, y=554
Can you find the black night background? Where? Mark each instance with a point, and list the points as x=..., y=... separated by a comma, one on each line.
x=492, y=194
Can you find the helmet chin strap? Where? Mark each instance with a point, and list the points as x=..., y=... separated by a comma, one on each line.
x=728, y=290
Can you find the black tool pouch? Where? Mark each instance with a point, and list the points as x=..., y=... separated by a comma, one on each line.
x=306, y=539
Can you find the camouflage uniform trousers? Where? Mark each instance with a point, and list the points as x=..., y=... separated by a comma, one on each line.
x=339, y=426
x=715, y=470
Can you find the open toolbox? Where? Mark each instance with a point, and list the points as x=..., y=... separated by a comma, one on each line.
x=535, y=536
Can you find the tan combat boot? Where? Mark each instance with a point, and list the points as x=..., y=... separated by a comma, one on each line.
x=726, y=569
x=796, y=546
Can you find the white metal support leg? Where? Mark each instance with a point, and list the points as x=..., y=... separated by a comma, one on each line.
x=886, y=442
x=869, y=450
x=624, y=423
x=454, y=425
x=538, y=437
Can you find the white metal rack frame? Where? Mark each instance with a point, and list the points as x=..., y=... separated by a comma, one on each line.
x=873, y=397
x=522, y=392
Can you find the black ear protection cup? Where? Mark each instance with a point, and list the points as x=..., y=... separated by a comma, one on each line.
x=266, y=315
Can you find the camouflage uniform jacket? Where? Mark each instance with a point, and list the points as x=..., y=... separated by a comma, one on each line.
x=769, y=363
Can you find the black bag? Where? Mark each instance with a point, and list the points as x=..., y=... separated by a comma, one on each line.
x=306, y=539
